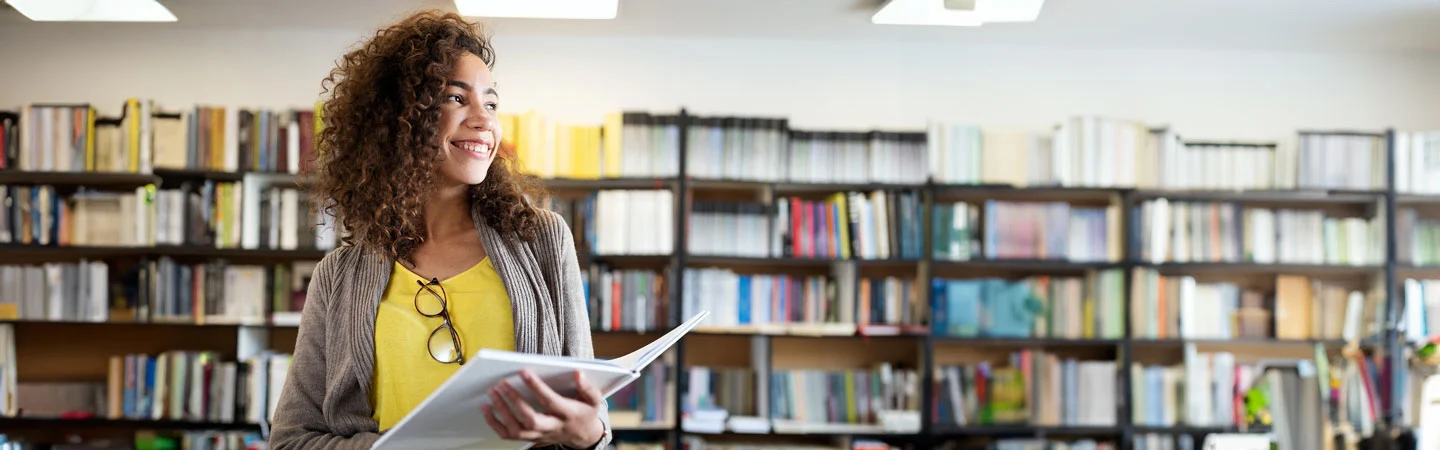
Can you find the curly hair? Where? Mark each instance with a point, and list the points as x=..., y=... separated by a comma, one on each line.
x=377, y=151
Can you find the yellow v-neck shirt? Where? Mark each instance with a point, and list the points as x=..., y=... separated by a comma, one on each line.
x=404, y=371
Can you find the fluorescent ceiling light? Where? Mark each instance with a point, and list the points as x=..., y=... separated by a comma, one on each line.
x=93, y=10
x=539, y=9
x=963, y=13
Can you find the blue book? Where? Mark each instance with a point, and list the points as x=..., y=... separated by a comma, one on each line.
x=1010, y=309
x=964, y=302
x=939, y=322
x=743, y=304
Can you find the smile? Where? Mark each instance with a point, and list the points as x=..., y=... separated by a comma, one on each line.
x=476, y=149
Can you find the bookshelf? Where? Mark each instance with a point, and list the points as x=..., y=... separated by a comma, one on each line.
x=768, y=354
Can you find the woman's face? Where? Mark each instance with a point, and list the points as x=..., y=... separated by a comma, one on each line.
x=469, y=130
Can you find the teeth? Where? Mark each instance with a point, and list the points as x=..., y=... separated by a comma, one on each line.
x=473, y=147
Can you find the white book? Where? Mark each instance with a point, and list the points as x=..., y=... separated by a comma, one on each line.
x=448, y=417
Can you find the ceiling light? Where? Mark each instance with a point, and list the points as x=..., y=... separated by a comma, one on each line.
x=539, y=9
x=93, y=10
x=964, y=13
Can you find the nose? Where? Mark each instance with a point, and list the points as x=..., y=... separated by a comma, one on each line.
x=481, y=119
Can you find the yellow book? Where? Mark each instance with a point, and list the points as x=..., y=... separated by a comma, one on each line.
x=610, y=148
x=318, y=118
x=532, y=144
x=509, y=131
x=587, y=152
x=132, y=134
x=565, y=150
x=850, y=396
x=217, y=139
x=842, y=223
x=90, y=139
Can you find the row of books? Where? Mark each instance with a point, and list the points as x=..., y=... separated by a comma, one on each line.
x=218, y=292
x=766, y=302
x=58, y=291
x=1417, y=162
x=626, y=145
x=144, y=137
x=1217, y=390
x=41, y=215
x=72, y=138
x=1229, y=232
x=1160, y=441
x=630, y=222
x=737, y=148
x=955, y=232
x=733, y=390
x=627, y=300
x=205, y=440
x=1032, y=230
x=195, y=386
x=1341, y=161
x=1207, y=390
x=1080, y=151
x=1169, y=307
x=1417, y=239
x=1422, y=309
x=1050, y=444
x=648, y=400
x=1030, y=387
x=722, y=228
x=855, y=396
x=205, y=214
x=233, y=139
x=1212, y=166
x=852, y=157
x=849, y=225
x=1093, y=151
x=1088, y=307
x=159, y=290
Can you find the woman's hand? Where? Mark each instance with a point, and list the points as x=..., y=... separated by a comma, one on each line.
x=574, y=423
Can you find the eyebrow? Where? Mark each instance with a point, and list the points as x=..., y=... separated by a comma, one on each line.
x=466, y=86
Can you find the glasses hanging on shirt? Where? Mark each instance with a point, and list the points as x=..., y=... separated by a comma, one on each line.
x=444, y=342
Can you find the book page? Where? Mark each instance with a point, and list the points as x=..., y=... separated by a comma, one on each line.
x=638, y=359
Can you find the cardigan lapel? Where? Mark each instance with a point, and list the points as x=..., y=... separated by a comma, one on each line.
x=371, y=277
x=530, y=300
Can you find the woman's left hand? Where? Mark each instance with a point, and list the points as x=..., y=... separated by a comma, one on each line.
x=572, y=422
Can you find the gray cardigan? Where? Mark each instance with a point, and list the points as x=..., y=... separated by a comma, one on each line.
x=326, y=399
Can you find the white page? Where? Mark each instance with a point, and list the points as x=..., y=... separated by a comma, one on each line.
x=451, y=417
x=642, y=357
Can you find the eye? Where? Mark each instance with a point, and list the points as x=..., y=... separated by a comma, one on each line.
x=454, y=98
x=492, y=106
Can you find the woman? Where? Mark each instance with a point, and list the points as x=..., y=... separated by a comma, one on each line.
x=444, y=252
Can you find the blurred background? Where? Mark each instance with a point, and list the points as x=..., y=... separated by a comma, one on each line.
x=961, y=224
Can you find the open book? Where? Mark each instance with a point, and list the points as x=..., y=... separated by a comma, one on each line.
x=451, y=418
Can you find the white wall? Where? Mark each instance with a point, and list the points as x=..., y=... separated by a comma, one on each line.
x=842, y=85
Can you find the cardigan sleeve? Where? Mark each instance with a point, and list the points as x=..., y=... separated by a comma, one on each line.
x=300, y=419
x=573, y=305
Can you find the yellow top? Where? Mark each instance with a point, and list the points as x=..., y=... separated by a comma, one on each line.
x=405, y=373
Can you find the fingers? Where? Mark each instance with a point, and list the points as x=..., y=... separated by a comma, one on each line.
x=548, y=398
x=514, y=419
x=528, y=418
x=495, y=423
x=589, y=393
x=504, y=414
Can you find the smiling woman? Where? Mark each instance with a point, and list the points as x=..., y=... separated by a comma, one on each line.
x=444, y=253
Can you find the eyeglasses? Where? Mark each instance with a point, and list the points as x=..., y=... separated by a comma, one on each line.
x=444, y=347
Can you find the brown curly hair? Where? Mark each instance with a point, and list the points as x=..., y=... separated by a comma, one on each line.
x=377, y=151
